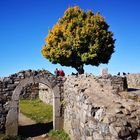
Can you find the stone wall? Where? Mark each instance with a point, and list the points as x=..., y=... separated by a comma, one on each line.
x=93, y=112
x=45, y=94
x=114, y=83
x=7, y=86
x=30, y=91
x=133, y=80
x=91, y=106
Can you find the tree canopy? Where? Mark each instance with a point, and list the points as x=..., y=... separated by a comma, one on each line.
x=79, y=38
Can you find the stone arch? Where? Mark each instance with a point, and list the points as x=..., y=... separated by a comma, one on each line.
x=12, y=116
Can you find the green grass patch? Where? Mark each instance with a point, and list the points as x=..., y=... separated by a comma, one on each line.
x=37, y=110
x=58, y=135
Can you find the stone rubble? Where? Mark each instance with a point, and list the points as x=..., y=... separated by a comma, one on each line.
x=133, y=80
x=91, y=106
x=93, y=111
x=7, y=86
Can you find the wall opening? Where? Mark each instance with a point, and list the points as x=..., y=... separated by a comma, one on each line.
x=35, y=111
x=12, y=116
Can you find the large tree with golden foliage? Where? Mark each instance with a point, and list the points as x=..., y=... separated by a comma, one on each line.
x=79, y=38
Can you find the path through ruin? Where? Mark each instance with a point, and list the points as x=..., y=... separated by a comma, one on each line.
x=32, y=130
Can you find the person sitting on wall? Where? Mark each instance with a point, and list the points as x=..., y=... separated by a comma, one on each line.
x=124, y=73
x=61, y=73
x=74, y=73
x=56, y=72
x=118, y=74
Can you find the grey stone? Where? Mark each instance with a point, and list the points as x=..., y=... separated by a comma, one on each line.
x=104, y=128
x=99, y=114
x=124, y=132
x=113, y=130
x=97, y=136
x=89, y=106
x=88, y=132
x=89, y=138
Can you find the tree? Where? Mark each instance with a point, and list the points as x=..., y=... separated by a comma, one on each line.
x=79, y=38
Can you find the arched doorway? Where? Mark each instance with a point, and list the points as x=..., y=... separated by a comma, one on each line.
x=12, y=116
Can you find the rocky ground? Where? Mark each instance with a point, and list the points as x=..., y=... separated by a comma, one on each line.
x=98, y=110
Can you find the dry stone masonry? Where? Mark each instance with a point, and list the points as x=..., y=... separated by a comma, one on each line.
x=133, y=80
x=8, y=84
x=93, y=111
x=45, y=94
x=89, y=107
x=30, y=91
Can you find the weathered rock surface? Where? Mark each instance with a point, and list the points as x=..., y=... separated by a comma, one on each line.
x=93, y=111
x=45, y=94
x=92, y=107
x=7, y=86
x=133, y=80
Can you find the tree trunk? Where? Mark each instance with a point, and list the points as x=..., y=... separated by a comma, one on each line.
x=80, y=69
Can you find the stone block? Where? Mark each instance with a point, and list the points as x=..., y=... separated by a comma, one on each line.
x=89, y=138
x=83, y=116
x=82, y=125
x=104, y=128
x=97, y=136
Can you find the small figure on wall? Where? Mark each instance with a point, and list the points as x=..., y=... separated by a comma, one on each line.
x=56, y=72
x=59, y=72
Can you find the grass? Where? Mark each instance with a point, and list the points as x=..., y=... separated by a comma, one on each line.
x=36, y=110
x=58, y=135
x=53, y=135
x=126, y=95
x=41, y=112
x=135, y=98
x=6, y=137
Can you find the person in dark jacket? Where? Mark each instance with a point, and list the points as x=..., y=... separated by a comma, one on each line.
x=56, y=72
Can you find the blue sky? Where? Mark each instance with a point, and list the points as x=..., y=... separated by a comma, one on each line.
x=24, y=25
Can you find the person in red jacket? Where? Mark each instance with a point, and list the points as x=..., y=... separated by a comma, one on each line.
x=61, y=73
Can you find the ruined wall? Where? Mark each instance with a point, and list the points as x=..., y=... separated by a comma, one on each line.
x=45, y=94
x=30, y=91
x=133, y=80
x=114, y=83
x=94, y=112
x=92, y=109
x=7, y=86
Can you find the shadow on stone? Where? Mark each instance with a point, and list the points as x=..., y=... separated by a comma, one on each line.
x=35, y=129
x=132, y=89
